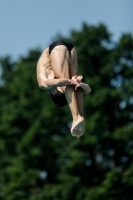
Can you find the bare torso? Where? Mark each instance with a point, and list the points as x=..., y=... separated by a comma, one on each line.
x=44, y=68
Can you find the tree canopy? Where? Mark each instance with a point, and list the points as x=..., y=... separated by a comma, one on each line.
x=39, y=157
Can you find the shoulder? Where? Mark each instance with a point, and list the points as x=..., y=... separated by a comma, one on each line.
x=45, y=53
x=44, y=58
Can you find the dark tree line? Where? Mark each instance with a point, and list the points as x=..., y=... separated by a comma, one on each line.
x=39, y=157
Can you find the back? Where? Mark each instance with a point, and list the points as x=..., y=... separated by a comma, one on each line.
x=44, y=69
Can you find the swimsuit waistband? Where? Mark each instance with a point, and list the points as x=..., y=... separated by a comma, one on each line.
x=54, y=44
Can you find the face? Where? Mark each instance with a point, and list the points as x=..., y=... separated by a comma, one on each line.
x=58, y=98
x=54, y=91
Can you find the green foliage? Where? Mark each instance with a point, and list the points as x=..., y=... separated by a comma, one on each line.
x=39, y=157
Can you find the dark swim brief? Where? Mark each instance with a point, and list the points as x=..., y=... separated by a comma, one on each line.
x=54, y=44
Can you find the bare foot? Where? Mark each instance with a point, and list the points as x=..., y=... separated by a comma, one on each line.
x=78, y=127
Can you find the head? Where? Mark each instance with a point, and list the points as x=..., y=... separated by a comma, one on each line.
x=58, y=99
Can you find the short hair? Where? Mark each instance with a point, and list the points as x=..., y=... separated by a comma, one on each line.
x=59, y=99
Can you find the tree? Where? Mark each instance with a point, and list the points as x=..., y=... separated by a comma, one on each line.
x=39, y=157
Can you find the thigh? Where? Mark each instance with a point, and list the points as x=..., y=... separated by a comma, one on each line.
x=60, y=61
x=73, y=63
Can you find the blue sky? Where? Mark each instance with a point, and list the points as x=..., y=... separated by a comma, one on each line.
x=29, y=24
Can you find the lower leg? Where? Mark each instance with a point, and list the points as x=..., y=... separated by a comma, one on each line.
x=79, y=97
x=76, y=108
x=71, y=97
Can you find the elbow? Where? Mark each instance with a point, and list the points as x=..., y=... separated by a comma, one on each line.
x=44, y=87
x=41, y=86
x=41, y=82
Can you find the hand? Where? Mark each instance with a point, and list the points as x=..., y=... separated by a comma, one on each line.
x=76, y=80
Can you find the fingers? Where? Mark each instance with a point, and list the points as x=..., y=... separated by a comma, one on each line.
x=76, y=80
x=80, y=77
x=78, y=85
x=75, y=83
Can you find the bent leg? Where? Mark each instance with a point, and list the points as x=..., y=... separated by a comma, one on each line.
x=65, y=65
x=78, y=130
x=60, y=61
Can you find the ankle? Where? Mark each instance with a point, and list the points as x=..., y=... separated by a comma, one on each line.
x=76, y=117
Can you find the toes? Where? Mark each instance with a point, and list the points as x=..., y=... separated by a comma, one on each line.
x=73, y=134
x=78, y=130
x=74, y=131
x=78, y=136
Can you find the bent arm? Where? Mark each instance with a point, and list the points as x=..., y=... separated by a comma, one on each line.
x=45, y=74
x=49, y=84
